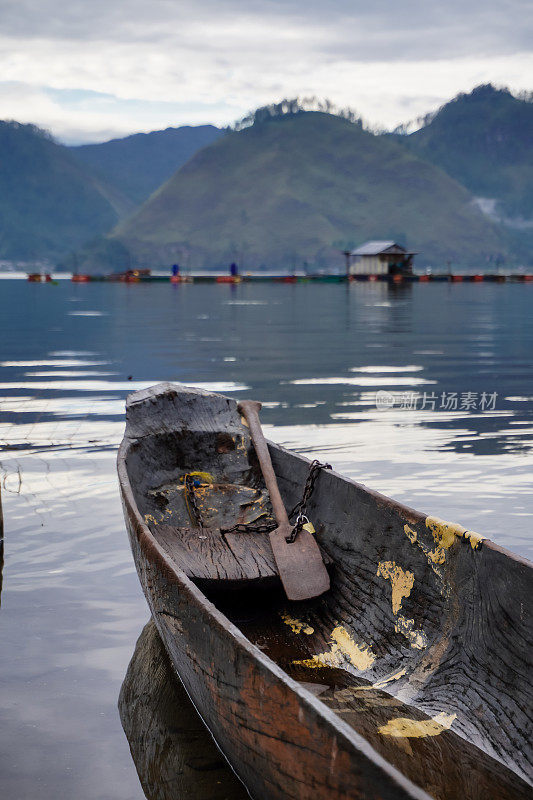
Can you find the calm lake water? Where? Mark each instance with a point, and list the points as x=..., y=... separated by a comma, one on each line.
x=452, y=366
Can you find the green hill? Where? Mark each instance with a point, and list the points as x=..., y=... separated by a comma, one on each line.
x=298, y=189
x=484, y=140
x=137, y=165
x=49, y=202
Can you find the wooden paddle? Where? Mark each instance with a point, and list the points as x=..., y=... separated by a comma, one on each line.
x=301, y=568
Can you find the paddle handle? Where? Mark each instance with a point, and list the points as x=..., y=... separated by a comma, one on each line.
x=250, y=411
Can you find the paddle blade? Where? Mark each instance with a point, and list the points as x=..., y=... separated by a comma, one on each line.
x=301, y=568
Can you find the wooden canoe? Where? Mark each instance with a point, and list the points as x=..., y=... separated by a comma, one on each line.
x=408, y=679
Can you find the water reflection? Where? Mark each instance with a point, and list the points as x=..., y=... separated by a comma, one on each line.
x=1, y=545
x=174, y=754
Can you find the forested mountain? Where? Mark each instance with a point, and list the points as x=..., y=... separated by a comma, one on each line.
x=485, y=141
x=49, y=202
x=300, y=187
x=137, y=165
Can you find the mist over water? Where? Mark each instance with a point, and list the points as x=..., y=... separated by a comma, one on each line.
x=315, y=355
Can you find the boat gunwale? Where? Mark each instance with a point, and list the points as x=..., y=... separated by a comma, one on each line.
x=401, y=508
x=153, y=551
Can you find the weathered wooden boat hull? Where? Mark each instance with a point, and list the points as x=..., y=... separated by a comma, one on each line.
x=417, y=654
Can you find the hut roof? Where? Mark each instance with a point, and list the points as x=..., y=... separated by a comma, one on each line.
x=374, y=248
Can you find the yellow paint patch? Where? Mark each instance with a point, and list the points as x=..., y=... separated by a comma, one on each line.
x=475, y=539
x=397, y=675
x=410, y=533
x=401, y=581
x=149, y=518
x=405, y=727
x=361, y=657
x=343, y=649
x=446, y=533
x=204, y=477
x=416, y=637
x=320, y=660
x=437, y=556
x=378, y=685
x=296, y=625
x=433, y=557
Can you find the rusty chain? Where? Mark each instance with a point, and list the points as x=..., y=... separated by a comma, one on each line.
x=299, y=510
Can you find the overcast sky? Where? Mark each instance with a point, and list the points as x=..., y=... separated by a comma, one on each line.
x=89, y=70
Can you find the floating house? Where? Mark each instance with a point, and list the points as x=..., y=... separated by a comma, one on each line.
x=379, y=258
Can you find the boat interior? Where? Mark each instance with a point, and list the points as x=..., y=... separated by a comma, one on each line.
x=421, y=645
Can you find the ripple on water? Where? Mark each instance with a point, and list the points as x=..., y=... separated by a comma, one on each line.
x=362, y=381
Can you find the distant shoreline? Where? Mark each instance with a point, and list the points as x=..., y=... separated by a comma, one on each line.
x=211, y=276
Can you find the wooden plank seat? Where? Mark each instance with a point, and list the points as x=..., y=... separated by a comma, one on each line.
x=205, y=554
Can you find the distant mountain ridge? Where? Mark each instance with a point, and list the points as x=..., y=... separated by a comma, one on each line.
x=50, y=203
x=299, y=189
x=484, y=140
x=287, y=186
x=137, y=165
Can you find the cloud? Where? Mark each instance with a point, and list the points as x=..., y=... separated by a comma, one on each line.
x=429, y=29
x=212, y=61
x=78, y=116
